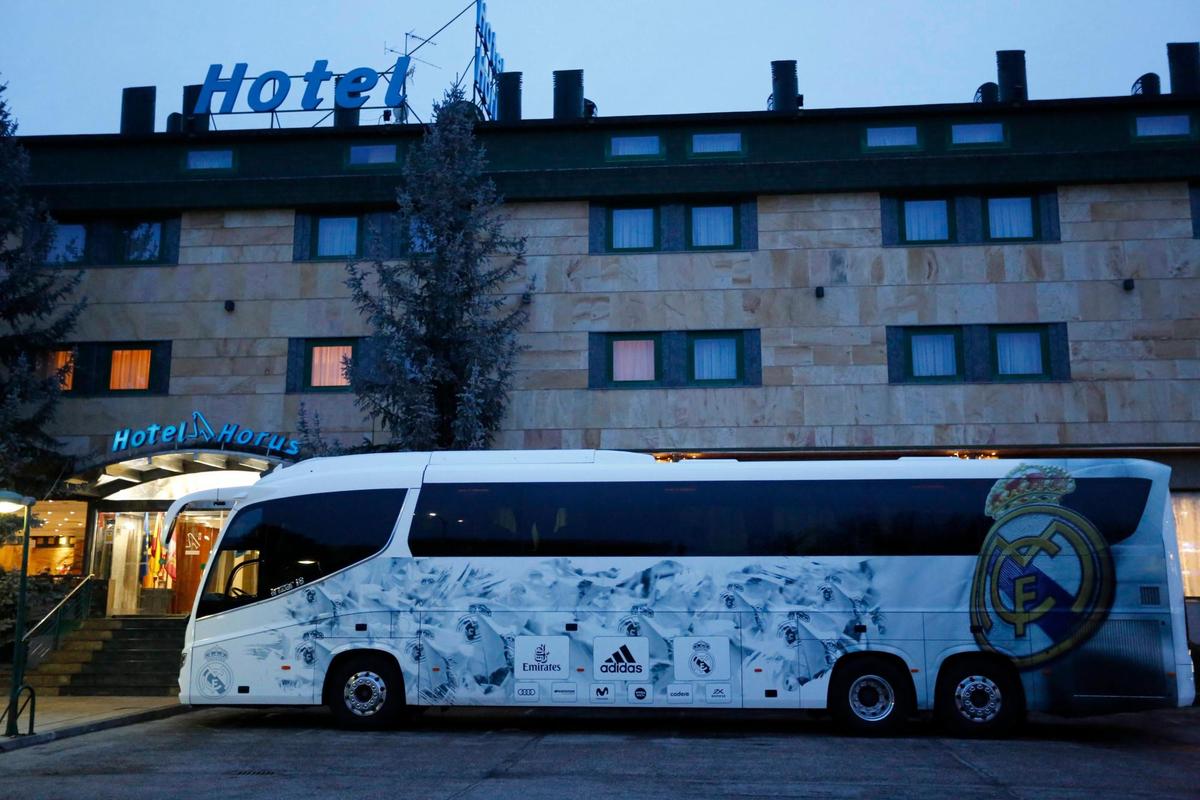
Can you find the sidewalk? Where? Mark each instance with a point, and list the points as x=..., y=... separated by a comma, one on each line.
x=61, y=717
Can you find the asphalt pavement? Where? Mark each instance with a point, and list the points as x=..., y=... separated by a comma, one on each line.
x=461, y=753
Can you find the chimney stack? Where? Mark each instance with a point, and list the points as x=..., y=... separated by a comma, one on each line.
x=137, y=110
x=1183, y=61
x=508, y=97
x=193, y=122
x=1010, y=75
x=568, y=94
x=785, y=91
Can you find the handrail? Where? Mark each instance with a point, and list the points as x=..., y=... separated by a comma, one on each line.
x=18, y=710
x=70, y=596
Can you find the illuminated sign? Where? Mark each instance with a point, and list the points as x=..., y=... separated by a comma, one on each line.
x=268, y=91
x=199, y=431
x=488, y=63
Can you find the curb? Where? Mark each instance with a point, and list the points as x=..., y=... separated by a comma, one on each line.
x=20, y=742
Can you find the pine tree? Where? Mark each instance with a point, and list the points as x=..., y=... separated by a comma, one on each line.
x=444, y=321
x=36, y=314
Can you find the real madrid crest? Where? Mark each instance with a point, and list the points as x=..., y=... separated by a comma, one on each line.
x=1044, y=580
x=701, y=660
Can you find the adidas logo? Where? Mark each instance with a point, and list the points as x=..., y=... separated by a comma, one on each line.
x=621, y=662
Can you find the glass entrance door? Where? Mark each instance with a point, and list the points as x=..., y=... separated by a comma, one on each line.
x=192, y=542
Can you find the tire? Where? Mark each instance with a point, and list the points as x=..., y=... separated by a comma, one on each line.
x=871, y=696
x=979, y=698
x=365, y=692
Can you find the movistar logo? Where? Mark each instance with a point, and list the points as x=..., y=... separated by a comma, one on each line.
x=621, y=662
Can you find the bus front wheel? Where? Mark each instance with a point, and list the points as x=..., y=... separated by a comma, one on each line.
x=870, y=696
x=365, y=692
x=978, y=697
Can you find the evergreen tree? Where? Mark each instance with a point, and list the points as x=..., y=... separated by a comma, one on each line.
x=444, y=330
x=36, y=314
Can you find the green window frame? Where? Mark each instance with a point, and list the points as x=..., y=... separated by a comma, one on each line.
x=892, y=148
x=737, y=227
x=309, y=346
x=959, y=356
x=657, y=230
x=613, y=338
x=369, y=165
x=740, y=369
x=951, y=228
x=1034, y=213
x=658, y=156
x=1170, y=137
x=187, y=160
x=316, y=236
x=1043, y=333
x=1002, y=143
x=740, y=152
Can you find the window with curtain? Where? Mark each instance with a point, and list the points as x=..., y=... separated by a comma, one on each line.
x=372, y=154
x=1187, y=531
x=934, y=355
x=325, y=365
x=130, y=370
x=714, y=358
x=1166, y=125
x=632, y=228
x=977, y=133
x=625, y=146
x=897, y=136
x=143, y=242
x=337, y=236
x=706, y=143
x=210, y=159
x=712, y=226
x=633, y=360
x=1010, y=217
x=926, y=221
x=1019, y=353
x=68, y=244
x=62, y=362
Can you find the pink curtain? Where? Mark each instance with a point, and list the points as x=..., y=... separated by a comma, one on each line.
x=633, y=360
x=327, y=365
x=130, y=370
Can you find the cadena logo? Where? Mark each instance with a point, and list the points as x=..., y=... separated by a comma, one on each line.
x=621, y=662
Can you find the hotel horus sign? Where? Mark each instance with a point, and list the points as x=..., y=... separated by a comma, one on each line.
x=197, y=432
x=269, y=90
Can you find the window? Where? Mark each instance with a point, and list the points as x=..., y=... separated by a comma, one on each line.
x=714, y=357
x=68, y=244
x=368, y=154
x=935, y=354
x=275, y=546
x=1010, y=218
x=635, y=147
x=1162, y=126
x=634, y=359
x=325, y=363
x=675, y=359
x=143, y=242
x=735, y=518
x=900, y=136
x=712, y=144
x=1187, y=528
x=209, y=159
x=336, y=236
x=978, y=353
x=633, y=228
x=712, y=226
x=926, y=221
x=129, y=370
x=61, y=363
x=1020, y=352
x=977, y=133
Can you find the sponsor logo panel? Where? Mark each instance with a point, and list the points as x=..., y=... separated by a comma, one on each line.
x=718, y=693
x=563, y=692
x=641, y=693
x=541, y=658
x=622, y=658
x=701, y=658
x=526, y=692
x=679, y=693
x=603, y=693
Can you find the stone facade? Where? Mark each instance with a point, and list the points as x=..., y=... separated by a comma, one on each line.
x=1134, y=355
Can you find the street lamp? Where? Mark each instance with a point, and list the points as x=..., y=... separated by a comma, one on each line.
x=10, y=503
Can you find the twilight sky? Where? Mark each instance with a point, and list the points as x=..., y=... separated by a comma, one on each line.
x=65, y=61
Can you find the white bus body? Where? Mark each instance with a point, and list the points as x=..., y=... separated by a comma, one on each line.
x=601, y=579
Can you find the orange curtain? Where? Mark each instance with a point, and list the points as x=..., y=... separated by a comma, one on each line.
x=327, y=365
x=130, y=370
x=60, y=359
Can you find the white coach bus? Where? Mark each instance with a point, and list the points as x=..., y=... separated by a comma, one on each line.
x=874, y=589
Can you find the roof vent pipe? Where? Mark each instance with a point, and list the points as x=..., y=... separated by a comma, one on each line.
x=1183, y=61
x=1010, y=75
x=193, y=122
x=344, y=117
x=785, y=88
x=508, y=97
x=137, y=110
x=987, y=93
x=568, y=94
x=174, y=122
x=1148, y=85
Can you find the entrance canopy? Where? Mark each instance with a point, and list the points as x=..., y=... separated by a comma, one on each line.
x=166, y=476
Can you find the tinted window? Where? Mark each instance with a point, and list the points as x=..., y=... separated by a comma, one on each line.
x=723, y=518
x=277, y=545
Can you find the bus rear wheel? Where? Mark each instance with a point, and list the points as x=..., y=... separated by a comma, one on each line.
x=365, y=692
x=978, y=698
x=870, y=696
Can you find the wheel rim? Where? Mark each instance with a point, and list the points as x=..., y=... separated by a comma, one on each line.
x=365, y=693
x=978, y=699
x=872, y=698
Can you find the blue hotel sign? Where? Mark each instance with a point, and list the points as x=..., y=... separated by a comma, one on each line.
x=198, y=432
x=269, y=90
